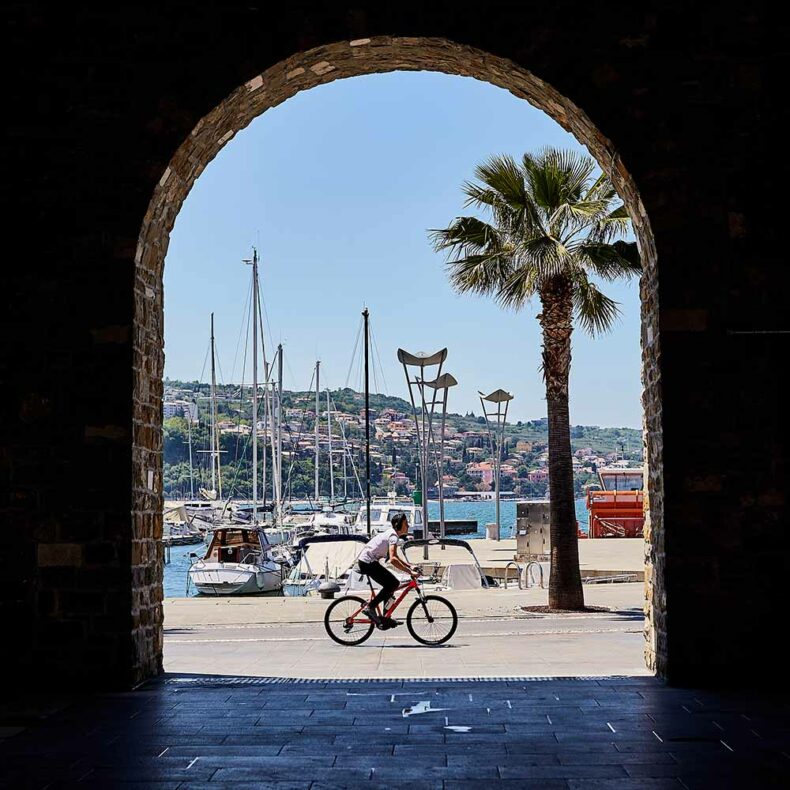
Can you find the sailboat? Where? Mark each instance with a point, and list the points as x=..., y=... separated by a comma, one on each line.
x=239, y=559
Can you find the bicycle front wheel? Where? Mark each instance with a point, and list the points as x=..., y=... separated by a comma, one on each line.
x=345, y=623
x=432, y=620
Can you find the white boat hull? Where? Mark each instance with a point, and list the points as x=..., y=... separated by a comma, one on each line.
x=231, y=578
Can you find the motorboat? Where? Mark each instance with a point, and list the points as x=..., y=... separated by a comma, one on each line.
x=382, y=510
x=322, y=558
x=455, y=559
x=447, y=563
x=238, y=561
x=180, y=533
x=178, y=529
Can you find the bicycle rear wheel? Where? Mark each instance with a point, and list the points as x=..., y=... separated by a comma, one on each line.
x=345, y=623
x=432, y=620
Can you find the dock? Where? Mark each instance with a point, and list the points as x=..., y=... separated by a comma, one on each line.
x=453, y=527
x=598, y=558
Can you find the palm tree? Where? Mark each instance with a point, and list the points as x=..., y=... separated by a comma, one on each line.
x=554, y=226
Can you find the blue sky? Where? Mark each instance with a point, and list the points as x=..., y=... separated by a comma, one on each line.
x=337, y=188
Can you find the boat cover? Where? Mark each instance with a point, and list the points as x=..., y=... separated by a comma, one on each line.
x=462, y=577
x=339, y=551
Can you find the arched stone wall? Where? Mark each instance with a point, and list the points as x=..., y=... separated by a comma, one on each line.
x=100, y=97
x=260, y=92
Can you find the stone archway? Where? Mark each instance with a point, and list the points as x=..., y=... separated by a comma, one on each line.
x=262, y=91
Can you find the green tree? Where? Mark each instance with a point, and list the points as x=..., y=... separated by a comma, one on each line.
x=554, y=227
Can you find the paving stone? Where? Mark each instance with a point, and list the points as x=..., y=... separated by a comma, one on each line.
x=255, y=785
x=499, y=761
x=625, y=784
x=449, y=748
x=516, y=784
x=612, y=757
x=167, y=739
x=514, y=770
x=372, y=784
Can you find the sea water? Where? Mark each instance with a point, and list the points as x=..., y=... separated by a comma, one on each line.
x=175, y=577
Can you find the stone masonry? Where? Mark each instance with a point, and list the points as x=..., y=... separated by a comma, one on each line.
x=117, y=111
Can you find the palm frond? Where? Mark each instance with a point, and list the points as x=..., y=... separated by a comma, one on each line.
x=611, y=225
x=502, y=175
x=557, y=176
x=595, y=311
x=519, y=287
x=481, y=274
x=501, y=189
x=465, y=236
x=479, y=257
x=609, y=261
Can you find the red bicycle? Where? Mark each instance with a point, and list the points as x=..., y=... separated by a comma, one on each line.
x=431, y=619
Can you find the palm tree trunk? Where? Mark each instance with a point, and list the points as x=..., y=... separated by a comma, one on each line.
x=565, y=584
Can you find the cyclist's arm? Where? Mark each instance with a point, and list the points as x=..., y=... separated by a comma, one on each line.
x=397, y=562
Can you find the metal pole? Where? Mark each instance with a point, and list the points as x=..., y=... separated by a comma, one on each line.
x=191, y=472
x=345, y=472
x=500, y=432
x=441, y=468
x=265, y=423
x=366, y=317
x=254, y=385
x=504, y=423
x=329, y=432
x=279, y=432
x=491, y=435
x=214, y=439
x=317, y=420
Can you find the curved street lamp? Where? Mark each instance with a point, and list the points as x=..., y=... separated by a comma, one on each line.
x=496, y=434
x=442, y=383
x=414, y=367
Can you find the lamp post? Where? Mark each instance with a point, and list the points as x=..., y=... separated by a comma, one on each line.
x=441, y=384
x=496, y=434
x=414, y=366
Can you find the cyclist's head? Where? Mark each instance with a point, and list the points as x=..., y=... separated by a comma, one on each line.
x=399, y=522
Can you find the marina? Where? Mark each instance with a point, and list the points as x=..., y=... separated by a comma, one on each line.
x=598, y=557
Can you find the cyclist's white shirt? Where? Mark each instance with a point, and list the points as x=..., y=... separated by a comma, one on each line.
x=377, y=548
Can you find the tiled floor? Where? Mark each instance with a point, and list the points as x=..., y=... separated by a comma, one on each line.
x=196, y=731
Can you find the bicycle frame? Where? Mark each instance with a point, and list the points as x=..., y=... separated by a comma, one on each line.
x=406, y=588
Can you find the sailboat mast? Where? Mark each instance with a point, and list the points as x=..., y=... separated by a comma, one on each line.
x=345, y=471
x=214, y=442
x=329, y=431
x=265, y=421
x=279, y=502
x=317, y=412
x=191, y=469
x=366, y=317
x=254, y=385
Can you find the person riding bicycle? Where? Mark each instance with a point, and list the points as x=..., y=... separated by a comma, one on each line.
x=385, y=544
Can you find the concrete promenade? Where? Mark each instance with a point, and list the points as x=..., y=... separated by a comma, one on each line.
x=601, y=557
x=285, y=637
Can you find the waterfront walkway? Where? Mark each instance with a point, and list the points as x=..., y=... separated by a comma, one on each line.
x=190, y=732
x=285, y=637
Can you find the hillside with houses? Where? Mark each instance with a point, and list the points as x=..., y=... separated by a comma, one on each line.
x=468, y=462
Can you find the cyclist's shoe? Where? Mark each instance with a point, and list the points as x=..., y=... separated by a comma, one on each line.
x=389, y=622
x=374, y=616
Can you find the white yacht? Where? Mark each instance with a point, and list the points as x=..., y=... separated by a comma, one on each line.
x=238, y=562
x=382, y=509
